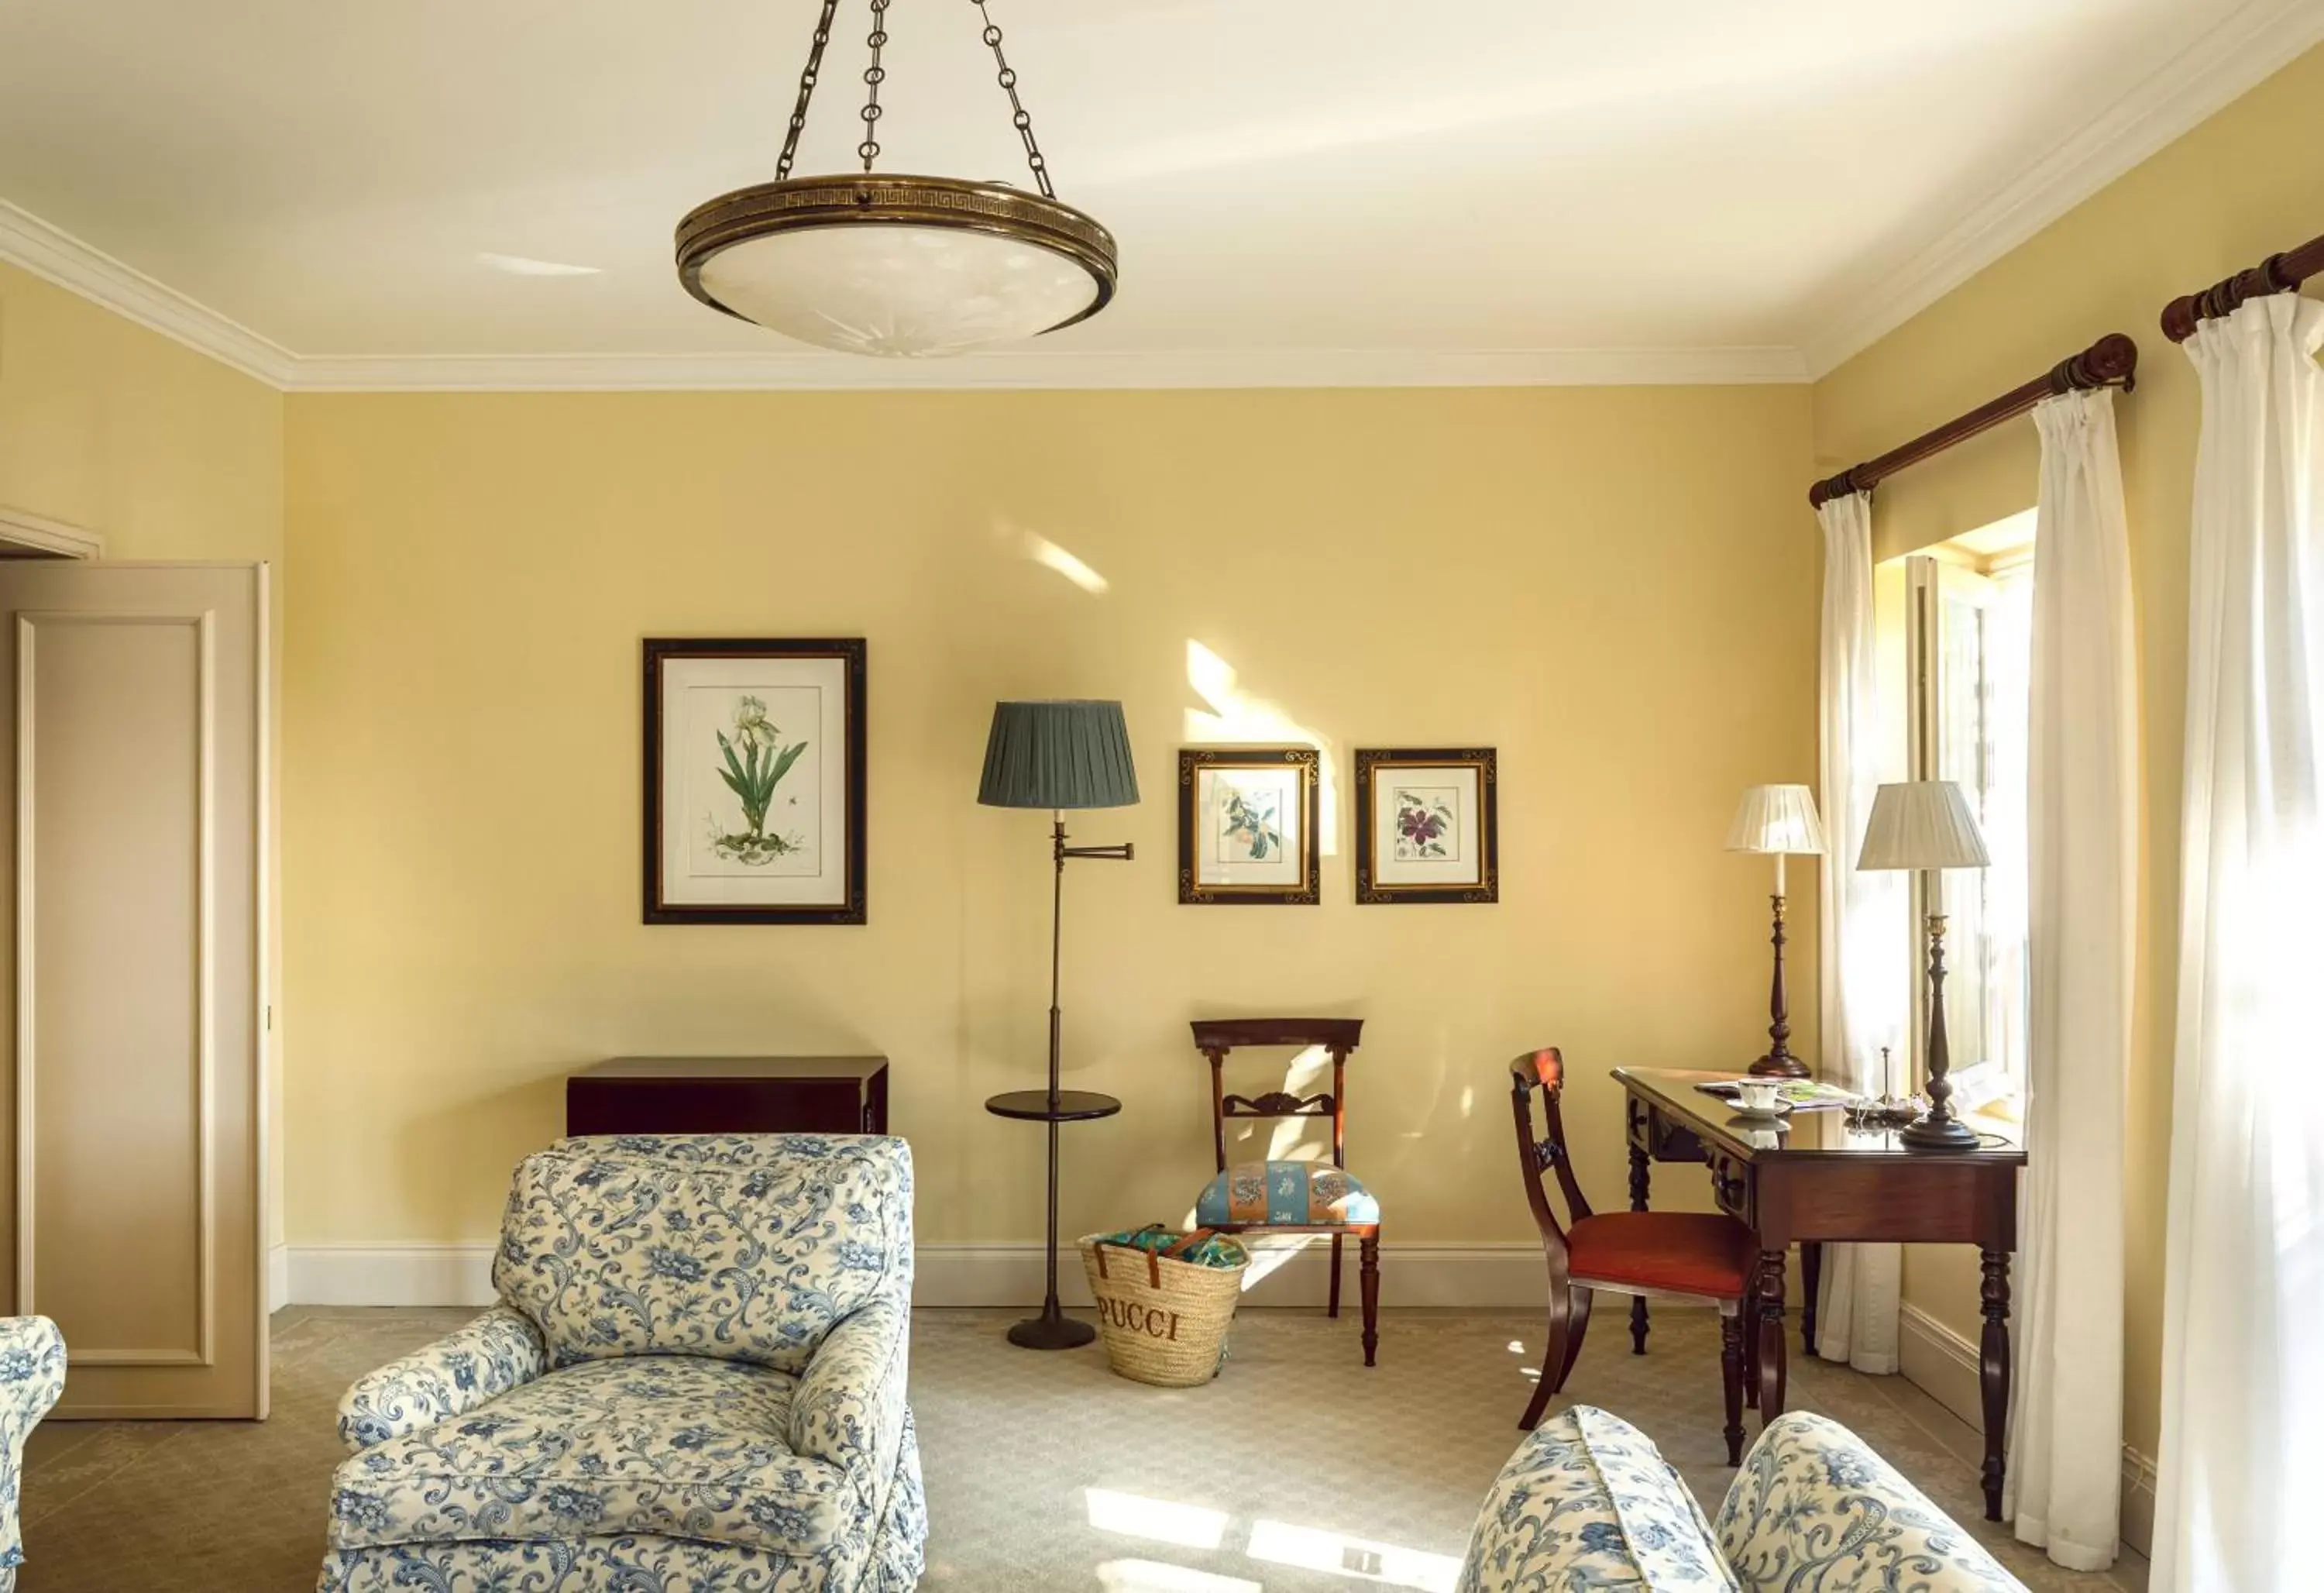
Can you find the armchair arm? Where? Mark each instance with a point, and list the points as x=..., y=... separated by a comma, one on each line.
x=32, y=1377
x=849, y=1408
x=1803, y=1508
x=498, y=1351
x=31, y=1373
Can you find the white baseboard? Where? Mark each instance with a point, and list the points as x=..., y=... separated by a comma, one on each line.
x=1506, y=1276
x=391, y=1274
x=1946, y=1368
x=278, y=1277
x=1941, y=1364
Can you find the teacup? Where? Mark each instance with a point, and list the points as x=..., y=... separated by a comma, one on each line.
x=1759, y=1094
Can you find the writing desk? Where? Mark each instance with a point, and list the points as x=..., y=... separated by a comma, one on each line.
x=1817, y=1179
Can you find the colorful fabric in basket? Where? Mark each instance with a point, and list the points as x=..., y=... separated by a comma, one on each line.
x=1295, y=1194
x=1214, y=1250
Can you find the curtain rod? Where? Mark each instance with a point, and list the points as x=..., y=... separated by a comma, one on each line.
x=2110, y=361
x=2278, y=274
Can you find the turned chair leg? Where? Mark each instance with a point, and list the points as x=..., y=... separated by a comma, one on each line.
x=1368, y=1253
x=1730, y=1367
x=1332, y=1310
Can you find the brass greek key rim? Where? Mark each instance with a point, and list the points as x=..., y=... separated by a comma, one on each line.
x=798, y=203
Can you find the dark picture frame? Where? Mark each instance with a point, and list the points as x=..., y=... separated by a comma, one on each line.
x=1371, y=764
x=1197, y=886
x=850, y=654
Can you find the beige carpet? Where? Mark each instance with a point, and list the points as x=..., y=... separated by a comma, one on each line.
x=1297, y=1470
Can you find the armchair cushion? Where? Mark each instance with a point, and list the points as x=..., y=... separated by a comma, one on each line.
x=497, y=1352
x=747, y=1248
x=1815, y=1507
x=1293, y=1194
x=674, y=1445
x=1588, y=1501
x=31, y=1377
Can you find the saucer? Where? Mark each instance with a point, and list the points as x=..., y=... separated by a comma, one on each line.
x=1775, y=1114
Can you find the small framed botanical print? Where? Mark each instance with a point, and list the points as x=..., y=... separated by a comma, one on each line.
x=1247, y=826
x=754, y=761
x=1427, y=826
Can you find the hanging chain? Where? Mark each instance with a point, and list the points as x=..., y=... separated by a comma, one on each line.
x=873, y=76
x=876, y=74
x=1022, y=117
x=806, y=89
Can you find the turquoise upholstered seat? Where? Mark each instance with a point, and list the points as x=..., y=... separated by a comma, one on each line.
x=1284, y=1194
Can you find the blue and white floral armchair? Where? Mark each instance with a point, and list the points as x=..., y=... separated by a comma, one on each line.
x=32, y=1377
x=694, y=1378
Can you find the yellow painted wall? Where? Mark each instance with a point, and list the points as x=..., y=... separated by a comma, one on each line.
x=1616, y=588
x=2244, y=184
x=164, y=453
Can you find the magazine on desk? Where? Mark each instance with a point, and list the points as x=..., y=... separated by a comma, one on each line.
x=1802, y=1095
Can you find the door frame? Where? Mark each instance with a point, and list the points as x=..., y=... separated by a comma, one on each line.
x=50, y=536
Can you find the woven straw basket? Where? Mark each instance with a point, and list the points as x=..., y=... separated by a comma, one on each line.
x=1163, y=1320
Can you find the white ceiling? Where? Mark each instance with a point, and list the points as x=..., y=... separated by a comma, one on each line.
x=1320, y=184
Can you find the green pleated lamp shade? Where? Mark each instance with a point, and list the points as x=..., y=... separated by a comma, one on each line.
x=1058, y=755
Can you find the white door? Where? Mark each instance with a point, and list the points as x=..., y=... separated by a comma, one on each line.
x=133, y=1162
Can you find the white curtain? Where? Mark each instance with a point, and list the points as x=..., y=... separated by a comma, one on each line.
x=2243, y=1337
x=2065, y=1449
x=1865, y=951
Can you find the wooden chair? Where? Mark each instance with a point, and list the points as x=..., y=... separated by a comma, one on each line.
x=1683, y=1257
x=1273, y=1197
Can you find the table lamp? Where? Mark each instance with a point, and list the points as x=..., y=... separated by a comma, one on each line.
x=1925, y=826
x=1779, y=820
x=1057, y=755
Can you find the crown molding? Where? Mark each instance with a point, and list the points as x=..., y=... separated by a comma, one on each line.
x=57, y=256
x=1019, y=369
x=2227, y=62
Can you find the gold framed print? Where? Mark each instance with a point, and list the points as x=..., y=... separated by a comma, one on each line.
x=1427, y=825
x=1247, y=826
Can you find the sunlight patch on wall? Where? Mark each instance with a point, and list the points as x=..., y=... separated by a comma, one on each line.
x=1235, y=717
x=1049, y=555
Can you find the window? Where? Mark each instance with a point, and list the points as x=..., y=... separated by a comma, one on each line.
x=1958, y=623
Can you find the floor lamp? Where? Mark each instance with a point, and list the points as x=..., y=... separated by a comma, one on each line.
x=1057, y=755
x=1779, y=820
x=1925, y=826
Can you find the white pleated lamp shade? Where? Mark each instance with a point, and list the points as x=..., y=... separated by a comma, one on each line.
x=1779, y=819
x=1921, y=824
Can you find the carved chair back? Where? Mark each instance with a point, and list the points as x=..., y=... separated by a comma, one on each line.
x=1542, y=1073
x=1215, y=1037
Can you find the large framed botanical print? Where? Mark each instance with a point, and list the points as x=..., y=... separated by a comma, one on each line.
x=754, y=781
x=1247, y=826
x=1427, y=825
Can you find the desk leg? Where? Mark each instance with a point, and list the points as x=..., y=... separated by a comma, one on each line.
x=1771, y=1336
x=1994, y=1375
x=1641, y=1177
x=1811, y=1275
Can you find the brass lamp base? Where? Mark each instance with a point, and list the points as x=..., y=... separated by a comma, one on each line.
x=1779, y=1062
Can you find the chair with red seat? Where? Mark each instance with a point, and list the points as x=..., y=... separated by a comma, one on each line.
x=1683, y=1257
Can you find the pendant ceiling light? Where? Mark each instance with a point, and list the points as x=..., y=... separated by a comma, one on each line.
x=883, y=263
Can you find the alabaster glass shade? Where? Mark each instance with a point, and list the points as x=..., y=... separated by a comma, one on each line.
x=1779, y=819
x=1921, y=824
x=1058, y=755
x=898, y=289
